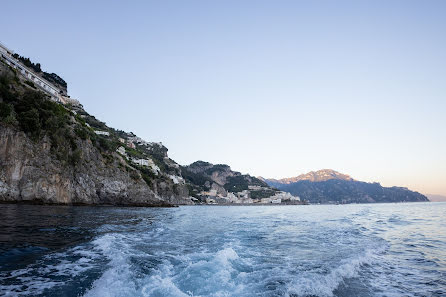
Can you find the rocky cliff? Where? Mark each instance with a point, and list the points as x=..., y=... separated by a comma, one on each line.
x=49, y=153
x=205, y=179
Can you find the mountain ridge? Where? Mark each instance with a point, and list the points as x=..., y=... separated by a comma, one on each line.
x=314, y=176
x=330, y=186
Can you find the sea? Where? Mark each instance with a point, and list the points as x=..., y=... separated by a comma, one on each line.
x=296, y=250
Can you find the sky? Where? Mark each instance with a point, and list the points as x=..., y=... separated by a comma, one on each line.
x=271, y=88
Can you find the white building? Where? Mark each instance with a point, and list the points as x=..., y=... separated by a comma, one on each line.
x=231, y=197
x=254, y=187
x=141, y=162
x=55, y=93
x=243, y=194
x=176, y=179
x=121, y=150
x=280, y=197
x=101, y=132
x=155, y=169
x=130, y=144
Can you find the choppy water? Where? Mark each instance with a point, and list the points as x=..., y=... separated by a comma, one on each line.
x=348, y=250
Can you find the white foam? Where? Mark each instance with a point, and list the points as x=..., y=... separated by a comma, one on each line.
x=325, y=284
x=40, y=276
x=204, y=273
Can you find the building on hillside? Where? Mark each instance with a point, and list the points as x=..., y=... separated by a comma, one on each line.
x=105, y=133
x=55, y=93
x=176, y=179
x=121, y=150
x=251, y=187
x=243, y=194
x=141, y=162
x=69, y=100
x=231, y=197
x=281, y=197
x=130, y=144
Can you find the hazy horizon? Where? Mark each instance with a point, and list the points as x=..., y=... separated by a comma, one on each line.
x=273, y=89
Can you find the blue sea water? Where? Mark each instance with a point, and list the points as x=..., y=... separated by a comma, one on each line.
x=314, y=250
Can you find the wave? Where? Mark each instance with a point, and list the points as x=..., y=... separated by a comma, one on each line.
x=324, y=285
x=123, y=279
x=50, y=272
x=212, y=273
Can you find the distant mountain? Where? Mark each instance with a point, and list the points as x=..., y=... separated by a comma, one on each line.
x=314, y=176
x=436, y=198
x=329, y=186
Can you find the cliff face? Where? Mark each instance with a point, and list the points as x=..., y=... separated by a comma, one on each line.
x=49, y=153
x=30, y=173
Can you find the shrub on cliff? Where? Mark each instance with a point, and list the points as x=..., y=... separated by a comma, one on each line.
x=29, y=121
x=39, y=117
x=27, y=62
x=5, y=91
x=7, y=114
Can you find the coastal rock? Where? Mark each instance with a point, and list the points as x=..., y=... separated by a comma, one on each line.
x=29, y=173
x=56, y=153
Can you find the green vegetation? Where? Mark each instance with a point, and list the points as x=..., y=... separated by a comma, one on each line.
x=236, y=184
x=194, y=178
x=147, y=175
x=27, y=62
x=54, y=78
x=81, y=132
x=133, y=153
x=95, y=124
x=30, y=83
x=5, y=91
x=239, y=183
x=7, y=114
x=39, y=117
x=218, y=167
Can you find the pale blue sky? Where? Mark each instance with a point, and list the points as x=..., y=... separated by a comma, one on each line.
x=272, y=88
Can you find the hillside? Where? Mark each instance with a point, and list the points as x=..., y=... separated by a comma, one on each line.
x=59, y=154
x=222, y=185
x=329, y=186
x=54, y=152
x=208, y=179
